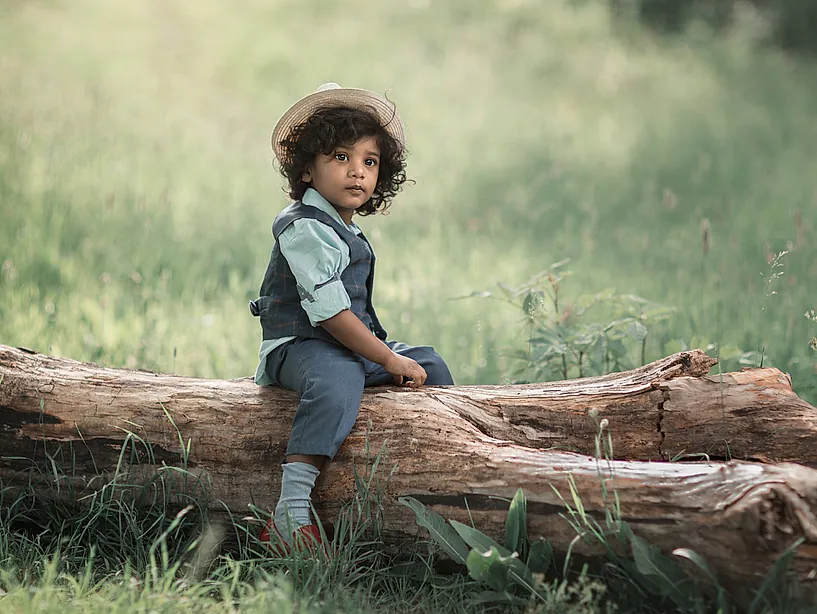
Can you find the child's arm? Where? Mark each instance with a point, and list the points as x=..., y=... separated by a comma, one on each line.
x=351, y=332
x=313, y=251
x=314, y=254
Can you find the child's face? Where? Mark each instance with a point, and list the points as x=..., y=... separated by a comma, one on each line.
x=346, y=177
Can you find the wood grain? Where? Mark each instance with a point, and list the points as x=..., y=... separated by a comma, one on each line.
x=468, y=443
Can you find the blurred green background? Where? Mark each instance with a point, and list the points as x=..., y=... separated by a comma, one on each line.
x=138, y=190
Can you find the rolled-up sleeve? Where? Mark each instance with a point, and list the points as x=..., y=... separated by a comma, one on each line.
x=315, y=254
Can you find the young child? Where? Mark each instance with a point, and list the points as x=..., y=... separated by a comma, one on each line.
x=342, y=152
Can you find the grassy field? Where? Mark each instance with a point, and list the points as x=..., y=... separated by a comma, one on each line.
x=137, y=189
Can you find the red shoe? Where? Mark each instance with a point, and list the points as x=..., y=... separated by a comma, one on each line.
x=306, y=538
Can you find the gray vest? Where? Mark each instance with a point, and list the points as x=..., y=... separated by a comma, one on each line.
x=279, y=302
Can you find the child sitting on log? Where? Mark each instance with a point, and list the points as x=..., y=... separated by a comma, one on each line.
x=342, y=152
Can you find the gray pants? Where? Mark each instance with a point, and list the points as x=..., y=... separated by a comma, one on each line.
x=330, y=381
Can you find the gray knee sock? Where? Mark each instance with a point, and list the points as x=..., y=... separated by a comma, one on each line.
x=292, y=510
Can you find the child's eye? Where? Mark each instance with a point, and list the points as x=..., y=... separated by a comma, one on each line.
x=371, y=162
x=341, y=157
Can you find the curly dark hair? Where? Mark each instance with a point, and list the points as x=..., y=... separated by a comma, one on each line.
x=331, y=127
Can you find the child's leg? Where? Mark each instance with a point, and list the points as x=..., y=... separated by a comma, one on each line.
x=329, y=380
x=426, y=357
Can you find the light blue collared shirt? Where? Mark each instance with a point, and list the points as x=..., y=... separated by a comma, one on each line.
x=317, y=257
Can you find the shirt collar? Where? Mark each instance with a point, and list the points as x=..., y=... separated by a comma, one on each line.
x=313, y=198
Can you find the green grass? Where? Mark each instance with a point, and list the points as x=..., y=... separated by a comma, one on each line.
x=120, y=544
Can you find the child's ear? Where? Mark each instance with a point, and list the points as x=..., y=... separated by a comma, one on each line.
x=307, y=175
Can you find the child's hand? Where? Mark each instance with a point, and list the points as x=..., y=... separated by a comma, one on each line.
x=406, y=372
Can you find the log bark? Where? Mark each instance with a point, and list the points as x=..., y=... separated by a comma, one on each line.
x=458, y=443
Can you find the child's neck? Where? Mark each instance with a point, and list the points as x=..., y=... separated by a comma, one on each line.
x=345, y=214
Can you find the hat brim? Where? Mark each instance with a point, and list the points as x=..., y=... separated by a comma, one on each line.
x=338, y=97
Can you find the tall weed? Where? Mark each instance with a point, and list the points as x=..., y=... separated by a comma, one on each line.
x=594, y=334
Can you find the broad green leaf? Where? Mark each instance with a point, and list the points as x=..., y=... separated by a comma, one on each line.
x=668, y=576
x=697, y=559
x=617, y=348
x=637, y=331
x=540, y=556
x=482, y=544
x=490, y=569
x=440, y=531
x=586, y=339
x=558, y=348
x=515, y=532
x=724, y=602
x=774, y=579
x=476, y=539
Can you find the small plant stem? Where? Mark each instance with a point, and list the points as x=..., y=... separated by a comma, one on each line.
x=530, y=339
x=644, y=351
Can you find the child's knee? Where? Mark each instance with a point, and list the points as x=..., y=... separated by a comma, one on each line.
x=437, y=369
x=341, y=394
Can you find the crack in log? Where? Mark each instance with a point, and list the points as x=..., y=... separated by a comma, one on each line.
x=15, y=419
x=483, y=426
x=659, y=426
x=694, y=363
x=83, y=455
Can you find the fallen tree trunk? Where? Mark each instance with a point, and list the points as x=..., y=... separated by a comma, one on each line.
x=455, y=443
x=665, y=410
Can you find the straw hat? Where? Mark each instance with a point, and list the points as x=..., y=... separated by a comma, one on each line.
x=333, y=95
